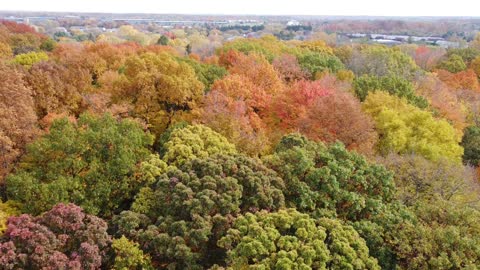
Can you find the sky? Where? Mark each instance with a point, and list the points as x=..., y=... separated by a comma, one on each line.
x=256, y=7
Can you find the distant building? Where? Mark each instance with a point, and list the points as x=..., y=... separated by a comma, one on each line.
x=387, y=41
x=293, y=23
x=448, y=44
x=60, y=30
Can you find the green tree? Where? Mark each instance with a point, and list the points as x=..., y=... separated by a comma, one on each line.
x=384, y=231
x=315, y=62
x=393, y=85
x=163, y=40
x=268, y=46
x=48, y=45
x=28, y=59
x=288, y=239
x=206, y=73
x=404, y=128
x=467, y=54
x=128, y=256
x=430, y=235
x=445, y=236
x=454, y=63
x=90, y=162
x=471, y=144
x=194, y=141
x=179, y=218
x=329, y=180
x=382, y=61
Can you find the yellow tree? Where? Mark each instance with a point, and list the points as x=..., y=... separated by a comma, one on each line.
x=162, y=89
x=404, y=128
x=5, y=50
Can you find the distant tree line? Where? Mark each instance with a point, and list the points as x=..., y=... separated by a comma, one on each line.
x=253, y=28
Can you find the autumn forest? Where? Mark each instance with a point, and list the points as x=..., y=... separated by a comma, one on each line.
x=258, y=153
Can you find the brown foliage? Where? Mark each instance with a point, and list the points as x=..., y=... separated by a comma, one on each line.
x=288, y=68
x=442, y=99
x=57, y=88
x=323, y=110
x=471, y=100
x=461, y=80
x=17, y=117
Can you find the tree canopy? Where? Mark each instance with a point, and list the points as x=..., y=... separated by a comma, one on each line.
x=180, y=217
x=288, y=239
x=62, y=238
x=162, y=89
x=90, y=162
x=194, y=141
x=404, y=128
x=17, y=117
x=329, y=180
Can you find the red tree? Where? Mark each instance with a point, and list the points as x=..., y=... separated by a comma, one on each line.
x=62, y=238
x=323, y=111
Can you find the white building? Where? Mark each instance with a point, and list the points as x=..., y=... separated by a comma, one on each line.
x=293, y=23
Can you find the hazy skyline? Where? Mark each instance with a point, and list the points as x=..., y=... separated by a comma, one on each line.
x=252, y=7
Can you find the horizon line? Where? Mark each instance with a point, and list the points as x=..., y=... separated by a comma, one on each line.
x=244, y=14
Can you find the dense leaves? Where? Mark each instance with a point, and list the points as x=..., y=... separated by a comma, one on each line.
x=57, y=88
x=462, y=80
x=194, y=141
x=162, y=89
x=471, y=144
x=17, y=117
x=453, y=64
x=445, y=237
x=404, y=128
x=393, y=85
x=382, y=61
x=128, y=256
x=62, y=238
x=206, y=73
x=90, y=162
x=267, y=46
x=28, y=59
x=420, y=180
x=329, y=180
x=288, y=239
x=442, y=99
x=315, y=63
x=233, y=108
x=190, y=208
x=7, y=209
x=317, y=110
x=289, y=68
